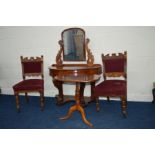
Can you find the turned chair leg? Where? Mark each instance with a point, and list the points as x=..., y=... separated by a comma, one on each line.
x=97, y=104
x=153, y=93
x=17, y=102
x=108, y=98
x=26, y=96
x=42, y=100
x=124, y=106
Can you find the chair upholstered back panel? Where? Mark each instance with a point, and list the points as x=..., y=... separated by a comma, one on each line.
x=114, y=65
x=32, y=66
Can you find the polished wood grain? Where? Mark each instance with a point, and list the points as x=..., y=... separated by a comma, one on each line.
x=77, y=79
x=73, y=69
x=60, y=68
x=78, y=73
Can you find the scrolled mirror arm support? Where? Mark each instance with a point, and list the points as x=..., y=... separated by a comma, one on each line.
x=90, y=60
x=59, y=55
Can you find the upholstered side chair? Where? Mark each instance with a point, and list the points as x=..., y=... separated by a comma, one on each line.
x=31, y=67
x=114, y=66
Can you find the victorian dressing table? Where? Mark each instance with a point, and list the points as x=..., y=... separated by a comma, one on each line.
x=74, y=48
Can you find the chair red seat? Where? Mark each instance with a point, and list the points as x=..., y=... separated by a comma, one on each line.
x=30, y=84
x=111, y=87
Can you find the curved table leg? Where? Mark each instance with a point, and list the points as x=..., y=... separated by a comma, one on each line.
x=81, y=110
x=77, y=106
x=71, y=110
x=84, y=116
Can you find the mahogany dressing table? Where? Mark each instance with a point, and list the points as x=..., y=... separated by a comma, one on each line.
x=74, y=48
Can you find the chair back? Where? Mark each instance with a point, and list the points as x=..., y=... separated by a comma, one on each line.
x=114, y=65
x=32, y=66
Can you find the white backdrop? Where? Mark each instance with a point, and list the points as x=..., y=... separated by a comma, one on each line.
x=36, y=41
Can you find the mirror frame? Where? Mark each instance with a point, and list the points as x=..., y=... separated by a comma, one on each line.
x=63, y=45
x=88, y=53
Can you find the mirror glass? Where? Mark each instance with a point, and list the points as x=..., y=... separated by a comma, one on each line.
x=74, y=44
